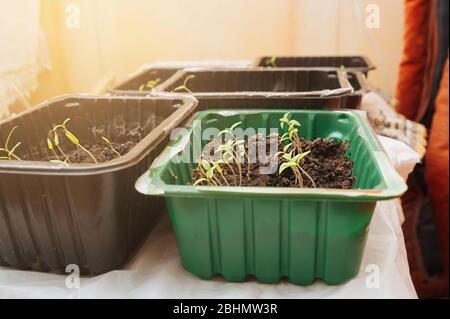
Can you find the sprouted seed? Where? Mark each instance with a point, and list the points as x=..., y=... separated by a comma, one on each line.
x=272, y=62
x=184, y=85
x=10, y=152
x=107, y=141
x=72, y=138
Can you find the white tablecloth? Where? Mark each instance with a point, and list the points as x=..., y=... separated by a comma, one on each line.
x=156, y=272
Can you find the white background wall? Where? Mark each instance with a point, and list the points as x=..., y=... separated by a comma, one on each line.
x=117, y=36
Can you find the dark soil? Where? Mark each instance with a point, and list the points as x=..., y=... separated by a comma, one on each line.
x=122, y=137
x=326, y=164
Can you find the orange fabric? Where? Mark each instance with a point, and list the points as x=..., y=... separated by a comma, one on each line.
x=436, y=171
x=414, y=59
x=431, y=56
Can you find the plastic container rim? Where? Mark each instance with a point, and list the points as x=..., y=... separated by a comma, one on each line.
x=134, y=156
x=151, y=183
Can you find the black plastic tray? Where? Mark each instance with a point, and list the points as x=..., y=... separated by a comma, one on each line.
x=322, y=88
x=359, y=83
x=355, y=63
x=131, y=85
x=84, y=214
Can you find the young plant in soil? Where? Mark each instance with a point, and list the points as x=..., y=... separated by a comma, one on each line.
x=72, y=138
x=272, y=62
x=150, y=85
x=108, y=142
x=207, y=170
x=234, y=149
x=298, y=162
x=292, y=153
x=184, y=86
x=10, y=152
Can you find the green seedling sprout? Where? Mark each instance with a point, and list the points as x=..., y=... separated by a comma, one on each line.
x=51, y=148
x=292, y=134
x=207, y=170
x=293, y=162
x=10, y=152
x=72, y=138
x=184, y=85
x=56, y=142
x=294, y=146
x=150, y=84
x=219, y=169
x=272, y=62
x=111, y=146
x=226, y=151
x=229, y=148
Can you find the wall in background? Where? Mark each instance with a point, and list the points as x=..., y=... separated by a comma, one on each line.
x=115, y=37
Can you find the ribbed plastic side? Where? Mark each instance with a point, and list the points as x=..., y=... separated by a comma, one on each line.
x=95, y=220
x=271, y=239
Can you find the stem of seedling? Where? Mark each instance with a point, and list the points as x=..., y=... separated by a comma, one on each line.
x=150, y=84
x=272, y=62
x=111, y=146
x=51, y=148
x=73, y=139
x=6, y=149
x=184, y=85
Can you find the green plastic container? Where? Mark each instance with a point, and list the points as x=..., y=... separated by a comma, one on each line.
x=273, y=233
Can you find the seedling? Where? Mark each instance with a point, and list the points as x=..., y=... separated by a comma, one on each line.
x=272, y=62
x=231, y=147
x=293, y=147
x=228, y=156
x=226, y=151
x=150, y=84
x=72, y=138
x=293, y=162
x=207, y=170
x=10, y=152
x=184, y=85
x=111, y=146
x=292, y=134
x=51, y=148
x=56, y=143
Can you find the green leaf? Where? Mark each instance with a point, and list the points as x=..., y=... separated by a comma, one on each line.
x=286, y=147
x=235, y=125
x=205, y=164
x=294, y=123
x=106, y=140
x=142, y=87
x=284, y=166
x=56, y=139
x=72, y=138
x=210, y=173
x=218, y=168
x=224, y=132
x=287, y=157
x=299, y=157
x=49, y=144
x=278, y=154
